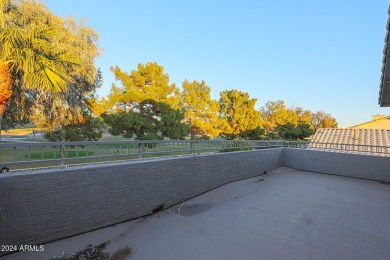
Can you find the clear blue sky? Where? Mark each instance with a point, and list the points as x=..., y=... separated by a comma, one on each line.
x=317, y=54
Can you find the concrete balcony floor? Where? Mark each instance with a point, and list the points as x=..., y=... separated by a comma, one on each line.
x=287, y=214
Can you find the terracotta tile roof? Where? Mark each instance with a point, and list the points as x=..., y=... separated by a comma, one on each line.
x=371, y=141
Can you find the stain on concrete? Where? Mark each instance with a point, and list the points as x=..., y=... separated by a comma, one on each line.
x=188, y=210
x=258, y=180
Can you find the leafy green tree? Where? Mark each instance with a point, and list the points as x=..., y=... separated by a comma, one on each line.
x=147, y=82
x=89, y=130
x=126, y=124
x=275, y=114
x=98, y=106
x=254, y=134
x=149, y=120
x=55, y=111
x=238, y=112
x=291, y=132
x=277, y=117
x=305, y=131
x=288, y=132
x=201, y=112
x=320, y=119
x=304, y=116
x=272, y=135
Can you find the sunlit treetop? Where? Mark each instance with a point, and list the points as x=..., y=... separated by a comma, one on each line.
x=201, y=112
x=147, y=82
x=238, y=109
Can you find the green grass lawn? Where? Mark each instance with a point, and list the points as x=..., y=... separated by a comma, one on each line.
x=94, y=152
x=14, y=136
x=99, y=152
x=50, y=154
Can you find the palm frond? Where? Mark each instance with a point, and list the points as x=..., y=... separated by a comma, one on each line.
x=32, y=53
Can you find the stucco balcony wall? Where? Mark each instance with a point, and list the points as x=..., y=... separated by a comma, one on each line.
x=338, y=163
x=43, y=206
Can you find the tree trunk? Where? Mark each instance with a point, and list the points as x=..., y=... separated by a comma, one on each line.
x=62, y=140
x=140, y=151
x=192, y=144
x=62, y=155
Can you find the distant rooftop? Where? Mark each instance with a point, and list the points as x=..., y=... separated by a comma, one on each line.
x=377, y=122
x=372, y=137
x=365, y=140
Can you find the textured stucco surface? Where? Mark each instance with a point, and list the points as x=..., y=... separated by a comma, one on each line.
x=39, y=207
x=345, y=164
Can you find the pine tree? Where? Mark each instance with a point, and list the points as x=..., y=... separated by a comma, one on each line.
x=149, y=120
x=200, y=111
x=239, y=113
x=147, y=82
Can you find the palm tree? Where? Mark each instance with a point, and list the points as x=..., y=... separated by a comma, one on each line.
x=30, y=52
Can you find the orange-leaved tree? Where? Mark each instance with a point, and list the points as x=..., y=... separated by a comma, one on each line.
x=5, y=86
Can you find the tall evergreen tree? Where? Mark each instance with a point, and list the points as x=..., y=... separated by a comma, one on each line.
x=201, y=112
x=238, y=112
x=275, y=114
x=147, y=82
x=149, y=120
